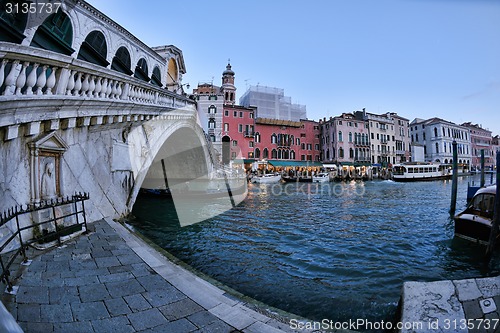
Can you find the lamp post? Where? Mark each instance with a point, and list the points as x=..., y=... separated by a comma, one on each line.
x=178, y=86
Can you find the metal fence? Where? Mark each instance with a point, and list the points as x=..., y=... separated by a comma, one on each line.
x=52, y=220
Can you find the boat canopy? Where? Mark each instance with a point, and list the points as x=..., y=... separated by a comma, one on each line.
x=295, y=163
x=330, y=166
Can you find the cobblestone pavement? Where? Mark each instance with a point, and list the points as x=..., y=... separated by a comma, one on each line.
x=109, y=280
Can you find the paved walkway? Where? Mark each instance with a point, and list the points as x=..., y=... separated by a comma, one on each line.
x=111, y=281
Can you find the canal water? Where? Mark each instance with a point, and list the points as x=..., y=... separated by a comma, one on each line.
x=335, y=251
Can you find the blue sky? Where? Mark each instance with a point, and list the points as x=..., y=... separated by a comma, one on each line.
x=419, y=58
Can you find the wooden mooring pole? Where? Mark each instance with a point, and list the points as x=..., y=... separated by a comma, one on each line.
x=482, y=168
x=454, y=181
x=496, y=216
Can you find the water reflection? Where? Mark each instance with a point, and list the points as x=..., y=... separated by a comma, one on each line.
x=338, y=251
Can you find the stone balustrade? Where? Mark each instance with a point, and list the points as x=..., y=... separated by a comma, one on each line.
x=27, y=72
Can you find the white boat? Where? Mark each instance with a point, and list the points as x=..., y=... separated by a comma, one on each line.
x=321, y=177
x=266, y=178
x=475, y=222
x=419, y=171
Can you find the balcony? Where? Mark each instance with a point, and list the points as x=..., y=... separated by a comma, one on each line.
x=249, y=134
x=361, y=143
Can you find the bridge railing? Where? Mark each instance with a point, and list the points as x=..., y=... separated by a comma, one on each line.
x=56, y=219
x=31, y=72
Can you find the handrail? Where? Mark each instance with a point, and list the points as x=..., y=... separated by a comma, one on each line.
x=17, y=211
x=27, y=71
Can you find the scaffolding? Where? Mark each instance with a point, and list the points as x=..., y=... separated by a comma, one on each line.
x=273, y=104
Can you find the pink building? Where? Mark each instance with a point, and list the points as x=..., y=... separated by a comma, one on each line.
x=287, y=140
x=346, y=140
x=238, y=132
x=480, y=138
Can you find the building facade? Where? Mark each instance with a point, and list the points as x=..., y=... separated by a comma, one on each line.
x=238, y=132
x=437, y=136
x=402, y=138
x=210, y=110
x=287, y=140
x=386, y=133
x=480, y=139
x=345, y=140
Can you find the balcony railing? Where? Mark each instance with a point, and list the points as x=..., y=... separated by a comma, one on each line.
x=249, y=134
x=26, y=72
x=362, y=143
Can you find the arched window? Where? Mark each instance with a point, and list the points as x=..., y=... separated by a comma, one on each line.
x=94, y=49
x=211, y=124
x=286, y=154
x=351, y=153
x=257, y=153
x=274, y=153
x=350, y=137
x=274, y=138
x=55, y=34
x=257, y=137
x=12, y=24
x=141, y=70
x=265, y=153
x=437, y=148
x=121, y=61
x=435, y=132
x=341, y=152
x=280, y=154
x=340, y=136
x=292, y=154
x=212, y=109
x=327, y=154
x=156, y=77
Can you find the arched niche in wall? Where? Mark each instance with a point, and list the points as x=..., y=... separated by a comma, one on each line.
x=55, y=34
x=94, y=49
x=121, y=61
x=46, y=166
x=141, y=70
x=12, y=23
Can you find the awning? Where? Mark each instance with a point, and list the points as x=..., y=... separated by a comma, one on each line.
x=346, y=163
x=244, y=161
x=295, y=163
x=362, y=164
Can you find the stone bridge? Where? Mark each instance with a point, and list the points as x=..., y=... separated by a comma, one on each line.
x=77, y=116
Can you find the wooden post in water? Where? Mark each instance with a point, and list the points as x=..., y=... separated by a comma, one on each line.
x=496, y=216
x=482, y=168
x=454, y=181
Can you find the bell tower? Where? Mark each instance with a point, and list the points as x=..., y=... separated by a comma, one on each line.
x=228, y=88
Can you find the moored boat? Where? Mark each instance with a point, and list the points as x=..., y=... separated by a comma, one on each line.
x=289, y=179
x=266, y=178
x=321, y=177
x=475, y=222
x=418, y=171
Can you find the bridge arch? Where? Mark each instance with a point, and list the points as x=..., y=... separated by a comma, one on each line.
x=172, y=141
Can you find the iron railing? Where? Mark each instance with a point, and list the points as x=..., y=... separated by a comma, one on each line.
x=44, y=236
